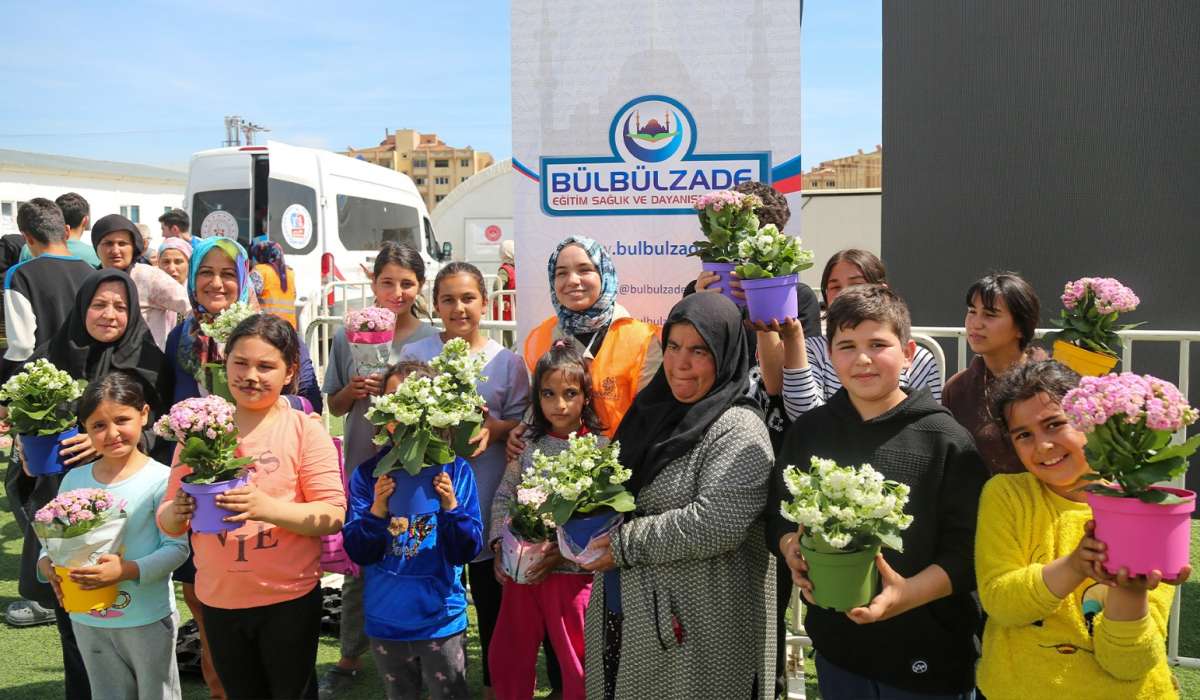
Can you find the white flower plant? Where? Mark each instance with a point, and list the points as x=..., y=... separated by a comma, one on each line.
x=771, y=253
x=583, y=479
x=222, y=326
x=419, y=418
x=41, y=399
x=846, y=509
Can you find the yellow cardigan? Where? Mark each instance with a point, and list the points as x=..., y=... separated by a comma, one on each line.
x=1036, y=645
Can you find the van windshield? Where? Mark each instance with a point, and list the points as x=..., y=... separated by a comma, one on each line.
x=364, y=224
x=222, y=213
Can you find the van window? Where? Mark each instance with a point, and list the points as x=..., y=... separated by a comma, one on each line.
x=364, y=224
x=292, y=210
x=234, y=203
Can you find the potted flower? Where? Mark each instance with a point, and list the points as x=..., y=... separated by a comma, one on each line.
x=726, y=218
x=771, y=272
x=847, y=514
x=530, y=532
x=584, y=492
x=422, y=422
x=213, y=379
x=41, y=400
x=205, y=429
x=1129, y=419
x=76, y=528
x=1088, y=342
x=369, y=332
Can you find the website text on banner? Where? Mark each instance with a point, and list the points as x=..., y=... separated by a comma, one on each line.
x=626, y=112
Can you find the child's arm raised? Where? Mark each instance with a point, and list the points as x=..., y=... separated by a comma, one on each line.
x=1130, y=635
x=460, y=527
x=365, y=535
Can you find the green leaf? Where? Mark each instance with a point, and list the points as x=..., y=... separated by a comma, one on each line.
x=891, y=540
x=1183, y=449
x=621, y=502
x=412, y=451
x=386, y=463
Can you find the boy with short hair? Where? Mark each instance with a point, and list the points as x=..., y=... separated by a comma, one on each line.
x=916, y=637
x=77, y=214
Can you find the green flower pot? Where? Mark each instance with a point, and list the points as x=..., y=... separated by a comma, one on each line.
x=460, y=441
x=841, y=580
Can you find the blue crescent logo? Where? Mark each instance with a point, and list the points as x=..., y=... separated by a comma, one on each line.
x=661, y=143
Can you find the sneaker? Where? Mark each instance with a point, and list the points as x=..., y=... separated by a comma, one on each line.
x=334, y=681
x=26, y=613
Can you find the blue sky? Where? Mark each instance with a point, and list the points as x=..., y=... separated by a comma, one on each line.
x=150, y=81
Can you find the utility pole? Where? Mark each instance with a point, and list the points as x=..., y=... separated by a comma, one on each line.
x=236, y=128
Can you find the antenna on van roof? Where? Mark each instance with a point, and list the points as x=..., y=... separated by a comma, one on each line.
x=236, y=128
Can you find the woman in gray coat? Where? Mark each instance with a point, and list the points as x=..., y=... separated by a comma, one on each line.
x=685, y=607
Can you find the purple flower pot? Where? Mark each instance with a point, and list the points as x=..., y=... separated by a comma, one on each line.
x=724, y=270
x=771, y=297
x=414, y=495
x=41, y=452
x=209, y=517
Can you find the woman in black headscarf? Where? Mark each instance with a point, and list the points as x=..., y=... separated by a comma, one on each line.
x=103, y=333
x=686, y=606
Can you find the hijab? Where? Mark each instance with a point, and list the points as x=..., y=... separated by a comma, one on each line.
x=73, y=350
x=267, y=252
x=508, y=252
x=658, y=428
x=195, y=348
x=175, y=243
x=114, y=223
x=600, y=315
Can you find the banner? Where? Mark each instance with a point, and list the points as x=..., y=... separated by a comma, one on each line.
x=625, y=112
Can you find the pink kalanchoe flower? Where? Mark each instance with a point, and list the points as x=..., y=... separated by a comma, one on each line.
x=1130, y=398
x=370, y=319
x=1109, y=293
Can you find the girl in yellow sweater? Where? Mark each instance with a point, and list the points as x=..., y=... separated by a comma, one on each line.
x=1058, y=625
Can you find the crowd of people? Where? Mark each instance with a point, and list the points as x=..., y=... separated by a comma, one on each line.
x=688, y=595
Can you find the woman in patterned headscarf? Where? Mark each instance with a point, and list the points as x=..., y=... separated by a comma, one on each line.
x=624, y=352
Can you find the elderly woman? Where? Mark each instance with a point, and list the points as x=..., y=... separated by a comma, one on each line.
x=173, y=257
x=686, y=607
x=104, y=332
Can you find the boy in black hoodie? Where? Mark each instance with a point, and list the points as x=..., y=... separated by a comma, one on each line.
x=917, y=635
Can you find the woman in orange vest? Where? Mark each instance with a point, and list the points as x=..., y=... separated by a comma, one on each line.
x=624, y=352
x=274, y=281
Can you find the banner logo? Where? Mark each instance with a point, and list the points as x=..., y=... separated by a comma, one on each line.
x=653, y=169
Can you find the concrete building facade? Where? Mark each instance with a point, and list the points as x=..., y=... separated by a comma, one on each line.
x=435, y=168
x=854, y=172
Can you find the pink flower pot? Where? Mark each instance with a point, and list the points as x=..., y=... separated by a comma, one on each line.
x=1143, y=537
x=724, y=270
x=771, y=297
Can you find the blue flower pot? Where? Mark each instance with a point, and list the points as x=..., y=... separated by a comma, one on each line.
x=414, y=495
x=42, y=452
x=583, y=529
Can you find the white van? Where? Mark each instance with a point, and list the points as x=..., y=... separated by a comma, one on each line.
x=330, y=213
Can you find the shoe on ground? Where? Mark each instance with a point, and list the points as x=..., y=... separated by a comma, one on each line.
x=26, y=613
x=335, y=681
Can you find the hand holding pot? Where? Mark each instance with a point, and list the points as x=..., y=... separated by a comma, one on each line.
x=789, y=546
x=384, y=487
x=498, y=565
x=445, y=491
x=604, y=561
x=182, y=508
x=46, y=569
x=111, y=569
x=249, y=502
x=891, y=600
x=77, y=449
x=549, y=562
x=706, y=279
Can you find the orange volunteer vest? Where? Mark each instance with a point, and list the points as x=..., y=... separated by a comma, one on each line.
x=273, y=299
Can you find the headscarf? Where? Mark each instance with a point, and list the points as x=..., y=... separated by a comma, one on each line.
x=73, y=350
x=112, y=224
x=175, y=243
x=508, y=251
x=601, y=313
x=267, y=252
x=195, y=348
x=658, y=428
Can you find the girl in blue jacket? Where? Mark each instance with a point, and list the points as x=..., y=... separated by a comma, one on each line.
x=414, y=602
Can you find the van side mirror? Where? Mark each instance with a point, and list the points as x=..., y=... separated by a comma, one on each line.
x=447, y=250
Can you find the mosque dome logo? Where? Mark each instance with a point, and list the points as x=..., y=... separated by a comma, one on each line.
x=652, y=129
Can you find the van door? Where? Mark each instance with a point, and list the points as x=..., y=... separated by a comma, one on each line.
x=294, y=220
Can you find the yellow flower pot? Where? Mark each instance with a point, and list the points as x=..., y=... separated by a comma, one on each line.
x=77, y=600
x=1085, y=362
